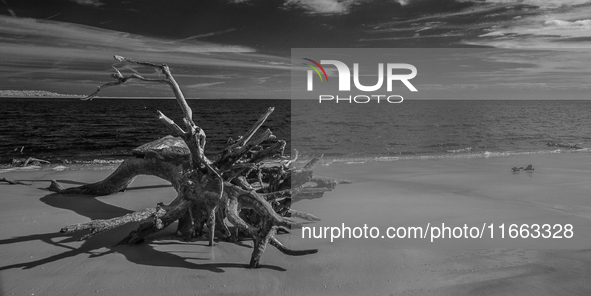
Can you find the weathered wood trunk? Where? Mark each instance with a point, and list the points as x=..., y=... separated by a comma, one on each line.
x=250, y=183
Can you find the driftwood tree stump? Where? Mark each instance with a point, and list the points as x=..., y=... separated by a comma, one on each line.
x=250, y=183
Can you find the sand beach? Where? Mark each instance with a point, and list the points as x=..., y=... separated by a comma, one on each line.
x=38, y=260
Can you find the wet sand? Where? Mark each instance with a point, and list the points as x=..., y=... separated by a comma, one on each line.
x=37, y=259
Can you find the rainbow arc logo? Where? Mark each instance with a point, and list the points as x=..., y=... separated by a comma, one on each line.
x=316, y=69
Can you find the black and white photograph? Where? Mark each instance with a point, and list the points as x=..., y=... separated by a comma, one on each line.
x=295, y=147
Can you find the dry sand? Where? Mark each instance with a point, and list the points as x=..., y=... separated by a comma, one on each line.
x=37, y=260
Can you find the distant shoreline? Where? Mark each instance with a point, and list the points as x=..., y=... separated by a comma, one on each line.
x=15, y=95
x=35, y=94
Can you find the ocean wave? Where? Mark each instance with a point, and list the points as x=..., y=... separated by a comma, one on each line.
x=99, y=161
x=326, y=161
x=62, y=165
x=27, y=168
x=460, y=150
x=438, y=145
x=460, y=155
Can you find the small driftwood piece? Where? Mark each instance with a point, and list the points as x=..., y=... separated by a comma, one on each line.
x=250, y=183
x=26, y=161
x=13, y=182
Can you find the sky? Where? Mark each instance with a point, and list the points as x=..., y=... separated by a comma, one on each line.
x=241, y=48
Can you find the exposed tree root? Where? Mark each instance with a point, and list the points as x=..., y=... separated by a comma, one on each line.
x=250, y=183
x=119, y=180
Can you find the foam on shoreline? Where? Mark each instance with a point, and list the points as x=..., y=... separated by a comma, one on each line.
x=326, y=161
x=486, y=154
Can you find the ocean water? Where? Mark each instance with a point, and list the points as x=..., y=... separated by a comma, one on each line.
x=107, y=129
x=436, y=129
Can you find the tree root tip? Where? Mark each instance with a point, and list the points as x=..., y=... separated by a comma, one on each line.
x=287, y=251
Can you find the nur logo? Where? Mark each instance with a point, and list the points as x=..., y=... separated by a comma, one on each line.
x=345, y=75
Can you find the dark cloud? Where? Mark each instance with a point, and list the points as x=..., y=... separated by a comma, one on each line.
x=189, y=31
x=261, y=24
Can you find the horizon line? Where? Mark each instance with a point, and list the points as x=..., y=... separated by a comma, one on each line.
x=254, y=98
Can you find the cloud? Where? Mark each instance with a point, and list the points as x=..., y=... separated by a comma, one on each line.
x=38, y=38
x=210, y=34
x=71, y=55
x=580, y=24
x=542, y=27
x=564, y=24
x=95, y=3
x=322, y=6
x=52, y=33
x=542, y=3
x=202, y=85
x=334, y=6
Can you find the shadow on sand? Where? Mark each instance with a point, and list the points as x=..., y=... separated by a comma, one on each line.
x=144, y=254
